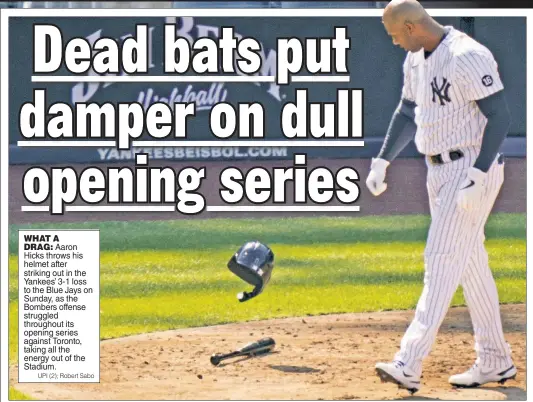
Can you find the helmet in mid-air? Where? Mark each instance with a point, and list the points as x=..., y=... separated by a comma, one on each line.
x=253, y=263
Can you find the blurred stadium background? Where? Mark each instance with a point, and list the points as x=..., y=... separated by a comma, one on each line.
x=230, y=4
x=382, y=89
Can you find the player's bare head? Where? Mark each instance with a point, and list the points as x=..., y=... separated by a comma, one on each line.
x=404, y=21
x=405, y=10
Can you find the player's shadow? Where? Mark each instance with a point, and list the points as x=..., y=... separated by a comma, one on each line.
x=294, y=369
x=511, y=394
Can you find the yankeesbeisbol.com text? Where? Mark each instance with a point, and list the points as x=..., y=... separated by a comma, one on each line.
x=107, y=154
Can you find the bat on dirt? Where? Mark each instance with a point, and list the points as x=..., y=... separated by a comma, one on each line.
x=262, y=346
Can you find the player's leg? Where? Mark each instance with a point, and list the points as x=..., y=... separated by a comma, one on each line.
x=447, y=247
x=396, y=372
x=481, y=296
x=481, y=293
x=494, y=362
x=444, y=262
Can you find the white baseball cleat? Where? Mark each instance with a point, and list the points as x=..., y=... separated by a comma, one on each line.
x=397, y=373
x=476, y=376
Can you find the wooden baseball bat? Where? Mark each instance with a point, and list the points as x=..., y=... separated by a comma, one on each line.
x=264, y=345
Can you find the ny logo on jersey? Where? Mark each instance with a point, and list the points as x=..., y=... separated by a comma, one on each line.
x=441, y=91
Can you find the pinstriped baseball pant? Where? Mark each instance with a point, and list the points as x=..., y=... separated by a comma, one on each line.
x=455, y=255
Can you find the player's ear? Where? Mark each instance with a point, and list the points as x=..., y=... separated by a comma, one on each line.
x=409, y=27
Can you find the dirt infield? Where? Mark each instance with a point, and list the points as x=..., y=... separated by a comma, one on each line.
x=406, y=193
x=329, y=357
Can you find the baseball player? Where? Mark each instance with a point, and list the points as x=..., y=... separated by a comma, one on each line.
x=453, y=106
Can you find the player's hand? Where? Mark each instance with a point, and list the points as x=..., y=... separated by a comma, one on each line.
x=376, y=178
x=471, y=189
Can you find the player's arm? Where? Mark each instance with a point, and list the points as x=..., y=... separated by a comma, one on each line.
x=495, y=109
x=401, y=131
x=402, y=127
x=480, y=82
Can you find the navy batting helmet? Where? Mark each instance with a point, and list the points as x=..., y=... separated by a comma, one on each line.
x=253, y=263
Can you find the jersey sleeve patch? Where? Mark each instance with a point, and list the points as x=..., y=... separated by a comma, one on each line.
x=487, y=80
x=477, y=74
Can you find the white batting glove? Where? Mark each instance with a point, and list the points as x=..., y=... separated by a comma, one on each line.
x=376, y=178
x=471, y=189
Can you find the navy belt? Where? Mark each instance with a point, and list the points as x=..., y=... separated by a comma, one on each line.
x=438, y=159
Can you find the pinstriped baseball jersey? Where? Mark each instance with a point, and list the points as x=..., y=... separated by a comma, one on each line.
x=445, y=86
